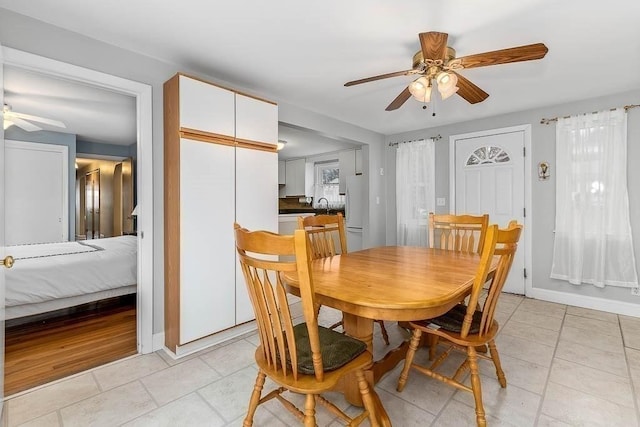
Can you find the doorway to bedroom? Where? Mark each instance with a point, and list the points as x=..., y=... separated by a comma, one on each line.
x=74, y=302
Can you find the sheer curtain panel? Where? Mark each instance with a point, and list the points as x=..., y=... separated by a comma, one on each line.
x=415, y=190
x=593, y=232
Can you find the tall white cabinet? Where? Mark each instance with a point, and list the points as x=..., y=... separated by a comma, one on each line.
x=220, y=167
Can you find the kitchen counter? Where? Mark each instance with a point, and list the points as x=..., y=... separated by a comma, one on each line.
x=318, y=211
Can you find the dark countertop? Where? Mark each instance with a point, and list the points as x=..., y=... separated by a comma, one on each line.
x=309, y=210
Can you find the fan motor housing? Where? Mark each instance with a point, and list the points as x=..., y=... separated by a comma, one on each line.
x=418, y=58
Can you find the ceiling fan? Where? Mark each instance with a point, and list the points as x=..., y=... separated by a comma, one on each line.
x=437, y=65
x=23, y=121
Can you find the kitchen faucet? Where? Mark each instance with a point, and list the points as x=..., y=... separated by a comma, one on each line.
x=325, y=199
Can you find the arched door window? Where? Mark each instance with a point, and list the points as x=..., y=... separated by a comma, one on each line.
x=488, y=154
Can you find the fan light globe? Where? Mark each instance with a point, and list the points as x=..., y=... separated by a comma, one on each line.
x=444, y=94
x=420, y=89
x=446, y=81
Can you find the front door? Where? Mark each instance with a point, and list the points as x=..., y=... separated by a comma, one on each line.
x=489, y=178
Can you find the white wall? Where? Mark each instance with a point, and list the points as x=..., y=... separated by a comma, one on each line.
x=33, y=36
x=542, y=213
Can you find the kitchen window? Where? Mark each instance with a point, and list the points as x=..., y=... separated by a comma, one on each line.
x=327, y=178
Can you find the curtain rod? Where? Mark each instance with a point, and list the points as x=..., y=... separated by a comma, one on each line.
x=555, y=119
x=435, y=138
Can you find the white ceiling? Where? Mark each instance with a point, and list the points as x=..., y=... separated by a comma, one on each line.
x=302, y=53
x=93, y=114
x=306, y=143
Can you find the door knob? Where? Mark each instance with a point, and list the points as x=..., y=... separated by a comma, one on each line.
x=7, y=261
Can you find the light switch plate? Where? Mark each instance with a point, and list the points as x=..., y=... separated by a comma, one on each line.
x=441, y=201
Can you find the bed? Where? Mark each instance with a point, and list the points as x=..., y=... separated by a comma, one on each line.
x=52, y=276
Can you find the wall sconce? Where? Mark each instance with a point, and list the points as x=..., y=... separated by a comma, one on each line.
x=543, y=171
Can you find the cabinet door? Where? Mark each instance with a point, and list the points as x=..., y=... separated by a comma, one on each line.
x=256, y=120
x=295, y=172
x=206, y=107
x=282, y=174
x=347, y=160
x=359, y=161
x=207, y=256
x=256, y=209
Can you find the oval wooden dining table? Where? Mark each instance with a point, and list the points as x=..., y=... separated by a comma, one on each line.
x=395, y=283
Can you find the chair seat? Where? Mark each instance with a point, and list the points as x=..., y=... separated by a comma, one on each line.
x=452, y=320
x=337, y=349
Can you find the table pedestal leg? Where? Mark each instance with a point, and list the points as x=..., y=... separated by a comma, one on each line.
x=362, y=329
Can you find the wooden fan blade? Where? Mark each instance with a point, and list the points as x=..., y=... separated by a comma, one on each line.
x=400, y=99
x=469, y=91
x=505, y=56
x=29, y=127
x=434, y=45
x=380, y=77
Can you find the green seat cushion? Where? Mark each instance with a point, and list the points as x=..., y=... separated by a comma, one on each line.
x=453, y=319
x=337, y=349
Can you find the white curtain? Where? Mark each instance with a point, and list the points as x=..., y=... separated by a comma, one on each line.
x=593, y=232
x=415, y=190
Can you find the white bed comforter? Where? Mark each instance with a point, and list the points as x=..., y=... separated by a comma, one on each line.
x=45, y=275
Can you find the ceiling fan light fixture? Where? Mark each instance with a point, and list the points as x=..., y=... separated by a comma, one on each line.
x=7, y=124
x=446, y=80
x=446, y=93
x=419, y=87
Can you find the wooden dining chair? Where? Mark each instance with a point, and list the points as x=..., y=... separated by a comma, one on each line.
x=462, y=233
x=305, y=358
x=469, y=326
x=324, y=231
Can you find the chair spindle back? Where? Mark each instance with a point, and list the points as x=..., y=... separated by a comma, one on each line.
x=461, y=233
x=323, y=231
x=267, y=291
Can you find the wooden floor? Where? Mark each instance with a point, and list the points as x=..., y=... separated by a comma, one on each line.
x=43, y=351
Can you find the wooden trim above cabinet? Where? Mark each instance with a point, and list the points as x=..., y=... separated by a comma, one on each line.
x=256, y=145
x=202, y=136
x=227, y=88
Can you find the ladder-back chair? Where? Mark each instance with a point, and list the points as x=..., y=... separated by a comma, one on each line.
x=467, y=326
x=462, y=233
x=304, y=358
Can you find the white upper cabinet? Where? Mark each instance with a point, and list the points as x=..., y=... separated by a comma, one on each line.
x=347, y=164
x=256, y=120
x=358, y=161
x=206, y=107
x=282, y=174
x=295, y=177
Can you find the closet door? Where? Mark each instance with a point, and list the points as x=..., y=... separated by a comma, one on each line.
x=207, y=280
x=36, y=193
x=256, y=208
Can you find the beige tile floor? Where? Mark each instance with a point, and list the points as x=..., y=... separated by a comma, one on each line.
x=565, y=366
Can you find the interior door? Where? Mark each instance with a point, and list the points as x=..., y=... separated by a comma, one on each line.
x=489, y=178
x=36, y=193
x=2, y=247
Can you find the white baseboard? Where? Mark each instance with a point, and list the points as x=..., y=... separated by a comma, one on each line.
x=209, y=341
x=611, y=306
x=158, y=341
